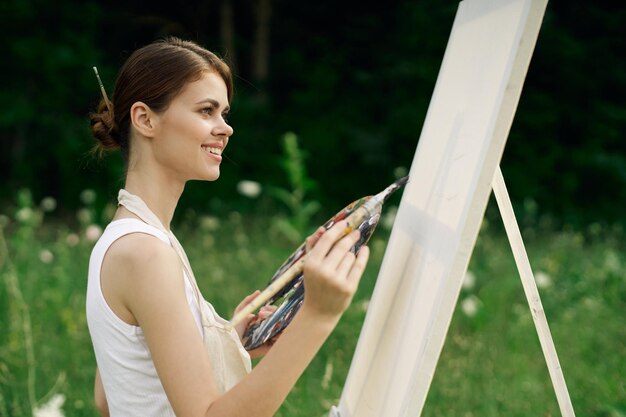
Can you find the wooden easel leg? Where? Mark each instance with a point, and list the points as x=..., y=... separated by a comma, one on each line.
x=532, y=294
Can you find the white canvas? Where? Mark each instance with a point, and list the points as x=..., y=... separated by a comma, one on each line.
x=460, y=147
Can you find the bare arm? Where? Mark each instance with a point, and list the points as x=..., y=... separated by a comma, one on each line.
x=156, y=298
x=99, y=397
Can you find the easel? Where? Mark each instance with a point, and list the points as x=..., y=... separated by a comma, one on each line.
x=532, y=294
x=453, y=173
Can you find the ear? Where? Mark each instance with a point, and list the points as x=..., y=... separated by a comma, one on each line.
x=143, y=119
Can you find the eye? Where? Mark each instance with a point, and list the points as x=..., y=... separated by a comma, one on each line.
x=206, y=110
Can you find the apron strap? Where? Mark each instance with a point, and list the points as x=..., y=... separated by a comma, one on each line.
x=139, y=208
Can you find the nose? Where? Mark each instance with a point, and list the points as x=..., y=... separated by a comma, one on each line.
x=223, y=129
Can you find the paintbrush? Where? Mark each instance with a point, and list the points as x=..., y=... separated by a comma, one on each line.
x=354, y=220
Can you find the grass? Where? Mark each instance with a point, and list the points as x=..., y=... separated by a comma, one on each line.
x=491, y=364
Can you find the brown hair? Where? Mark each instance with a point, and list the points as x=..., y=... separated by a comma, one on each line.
x=154, y=75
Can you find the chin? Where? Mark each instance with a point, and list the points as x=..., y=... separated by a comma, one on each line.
x=210, y=176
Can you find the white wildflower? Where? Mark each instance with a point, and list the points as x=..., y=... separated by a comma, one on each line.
x=519, y=309
x=209, y=223
x=93, y=232
x=470, y=306
x=218, y=274
x=250, y=189
x=48, y=204
x=542, y=279
x=400, y=172
x=84, y=216
x=484, y=225
x=88, y=196
x=72, y=239
x=24, y=214
x=328, y=374
x=52, y=408
x=612, y=263
x=592, y=303
x=46, y=256
x=469, y=280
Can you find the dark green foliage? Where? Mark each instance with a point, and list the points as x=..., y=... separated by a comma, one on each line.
x=352, y=80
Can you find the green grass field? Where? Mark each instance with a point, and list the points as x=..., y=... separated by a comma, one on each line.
x=491, y=364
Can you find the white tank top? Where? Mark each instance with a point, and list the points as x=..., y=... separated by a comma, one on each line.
x=129, y=377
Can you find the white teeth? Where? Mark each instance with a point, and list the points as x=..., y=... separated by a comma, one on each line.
x=216, y=151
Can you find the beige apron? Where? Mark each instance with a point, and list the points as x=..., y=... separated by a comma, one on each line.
x=230, y=362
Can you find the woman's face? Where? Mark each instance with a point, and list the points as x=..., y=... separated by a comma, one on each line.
x=192, y=133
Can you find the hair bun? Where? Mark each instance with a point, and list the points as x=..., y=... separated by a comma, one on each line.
x=103, y=128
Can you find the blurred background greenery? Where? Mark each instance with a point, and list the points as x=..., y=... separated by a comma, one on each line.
x=352, y=79
x=330, y=100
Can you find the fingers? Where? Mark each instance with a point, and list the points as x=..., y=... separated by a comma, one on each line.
x=358, y=267
x=342, y=250
x=329, y=291
x=314, y=238
x=346, y=264
x=264, y=348
x=326, y=241
x=353, y=266
x=329, y=247
x=265, y=312
x=247, y=301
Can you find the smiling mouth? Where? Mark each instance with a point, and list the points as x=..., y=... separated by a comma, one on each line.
x=213, y=150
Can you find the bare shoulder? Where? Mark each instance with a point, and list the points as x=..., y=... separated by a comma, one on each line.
x=136, y=268
x=138, y=248
x=144, y=257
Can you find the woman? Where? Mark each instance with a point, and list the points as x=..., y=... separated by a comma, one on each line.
x=160, y=348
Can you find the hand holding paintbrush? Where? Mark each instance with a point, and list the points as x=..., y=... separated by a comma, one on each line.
x=362, y=214
x=279, y=283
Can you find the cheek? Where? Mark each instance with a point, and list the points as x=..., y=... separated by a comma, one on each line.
x=187, y=133
x=183, y=136
x=197, y=130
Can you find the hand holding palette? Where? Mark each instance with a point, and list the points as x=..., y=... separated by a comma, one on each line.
x=286, y=288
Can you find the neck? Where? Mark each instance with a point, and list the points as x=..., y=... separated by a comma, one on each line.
x=159, y=192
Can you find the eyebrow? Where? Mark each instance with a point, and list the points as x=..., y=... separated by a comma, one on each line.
x=213, y=102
